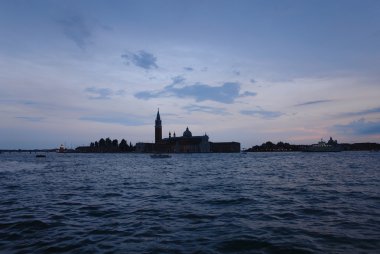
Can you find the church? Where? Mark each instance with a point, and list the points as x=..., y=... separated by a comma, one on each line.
x=187, y=143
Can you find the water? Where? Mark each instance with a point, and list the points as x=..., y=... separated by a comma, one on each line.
x=190, y=203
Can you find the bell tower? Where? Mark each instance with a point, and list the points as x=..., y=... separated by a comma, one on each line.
x=158, y=128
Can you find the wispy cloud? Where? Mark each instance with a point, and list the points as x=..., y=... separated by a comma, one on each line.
x=178, y=80
x=359, y=127
x=262, y=113
x=312, y=103
x=247, y=94
x=31, y=118
x=52, y=105
x=116, y=119
x=141, y=59
x=100, y=93
x=77, y=29
x=205, y=109
x=226, y=93
x=362, y=113
x=188, y=68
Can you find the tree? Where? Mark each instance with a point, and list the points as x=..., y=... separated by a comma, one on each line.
x=102, y=143
x=108, y=142
x=123, y=146
x=268, y=146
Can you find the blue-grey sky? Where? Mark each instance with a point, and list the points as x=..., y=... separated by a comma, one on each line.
x=72, y=72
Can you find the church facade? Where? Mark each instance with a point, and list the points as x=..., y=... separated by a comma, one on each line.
x=187, y=143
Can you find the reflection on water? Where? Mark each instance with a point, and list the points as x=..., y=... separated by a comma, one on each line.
x=205, y=203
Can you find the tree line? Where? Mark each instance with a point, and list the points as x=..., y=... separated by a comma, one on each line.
x=107, y=146
x=279, y=147
x=286, y=147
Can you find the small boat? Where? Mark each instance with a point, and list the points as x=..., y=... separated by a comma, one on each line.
x=61, y=149
x=40, y=156
x=160, y=156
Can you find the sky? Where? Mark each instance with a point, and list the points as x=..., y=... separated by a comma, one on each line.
x=72, y=72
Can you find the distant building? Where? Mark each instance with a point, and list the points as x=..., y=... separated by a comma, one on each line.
x=225, y=147
x=185, y=144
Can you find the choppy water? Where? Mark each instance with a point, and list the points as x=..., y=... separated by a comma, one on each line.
x=190, y=203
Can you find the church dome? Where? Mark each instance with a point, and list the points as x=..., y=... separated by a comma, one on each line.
x=187, y=133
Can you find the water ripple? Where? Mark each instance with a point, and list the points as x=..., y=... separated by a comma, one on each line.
x=192, y=203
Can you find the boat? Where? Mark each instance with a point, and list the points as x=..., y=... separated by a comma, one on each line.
x=61, y=149
x=40, y=156
x=160, y=156
x=322, y=146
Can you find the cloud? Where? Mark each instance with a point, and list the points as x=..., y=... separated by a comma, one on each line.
x=50, y=106
x=141, y=59
x=188, y=68
x=116, y=119
x=31, y=118
x=76, y=29
x=262, y=113
x=312, y=103
x=362, y=113
x=359, y=127
x=226, y=93
x=178, y=80
x=102, y=93
x=205, y=109
x=119, y=92
x=247, y=94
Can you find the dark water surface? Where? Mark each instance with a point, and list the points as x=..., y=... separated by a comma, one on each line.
x=190, y=203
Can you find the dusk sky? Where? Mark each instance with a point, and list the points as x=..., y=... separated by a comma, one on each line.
x=72, y=72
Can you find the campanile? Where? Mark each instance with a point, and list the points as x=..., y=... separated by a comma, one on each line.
x=158, y=128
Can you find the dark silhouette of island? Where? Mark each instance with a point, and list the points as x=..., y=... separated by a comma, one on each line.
x=187, y=143
x=172, y=144
x=286, y=147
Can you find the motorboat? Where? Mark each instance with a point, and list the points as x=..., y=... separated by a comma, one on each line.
x=61, y=149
